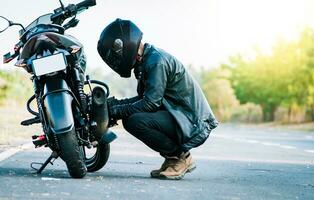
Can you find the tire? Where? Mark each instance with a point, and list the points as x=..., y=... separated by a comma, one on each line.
x=71, y=154
x=99, y=159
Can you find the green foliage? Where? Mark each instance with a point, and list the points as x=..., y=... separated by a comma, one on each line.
x=247, y=113
x=14, y=86
x=283, y=78
x=219, y=93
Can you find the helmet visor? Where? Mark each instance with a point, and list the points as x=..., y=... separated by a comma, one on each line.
x=114, y=55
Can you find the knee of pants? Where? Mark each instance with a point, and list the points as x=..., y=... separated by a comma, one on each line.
x=134, y=123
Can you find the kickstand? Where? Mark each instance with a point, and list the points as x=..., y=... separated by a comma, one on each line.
x=54, y=155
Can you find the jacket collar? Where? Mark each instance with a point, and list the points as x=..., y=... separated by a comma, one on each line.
x=147, y=48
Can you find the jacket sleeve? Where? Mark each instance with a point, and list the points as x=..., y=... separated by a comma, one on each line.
x=152, y=99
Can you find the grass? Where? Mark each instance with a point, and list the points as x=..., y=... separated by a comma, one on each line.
x=11, y=132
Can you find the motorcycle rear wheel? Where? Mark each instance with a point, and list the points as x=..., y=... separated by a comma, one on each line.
x=71, y=154
x=98, y=159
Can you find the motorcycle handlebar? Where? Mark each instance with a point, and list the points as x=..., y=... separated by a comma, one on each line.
x=71, y=10
x=85, y=4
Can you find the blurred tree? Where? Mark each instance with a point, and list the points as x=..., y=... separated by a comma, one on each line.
x=15, y=86
x=306, y=60
x=261, y=81
x=283, y=78
x=218, y=92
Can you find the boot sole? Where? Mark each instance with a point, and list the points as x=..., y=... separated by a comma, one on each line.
x=179, y=177
x=155, y=175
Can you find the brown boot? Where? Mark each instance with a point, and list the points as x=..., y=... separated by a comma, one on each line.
x=178, y=167
x=155, y=173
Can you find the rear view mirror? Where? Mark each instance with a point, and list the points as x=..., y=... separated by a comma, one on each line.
x=4, y=24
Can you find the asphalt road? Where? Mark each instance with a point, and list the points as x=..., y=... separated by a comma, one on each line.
x=237, y=162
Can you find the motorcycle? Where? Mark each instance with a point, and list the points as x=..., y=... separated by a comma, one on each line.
x=72, y=120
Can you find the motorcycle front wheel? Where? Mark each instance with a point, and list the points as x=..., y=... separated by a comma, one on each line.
x=71, y=154
x=97, y=158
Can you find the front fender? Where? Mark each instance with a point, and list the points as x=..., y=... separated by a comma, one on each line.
x=58, y=106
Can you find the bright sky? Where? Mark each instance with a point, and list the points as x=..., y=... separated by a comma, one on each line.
x=199, y=32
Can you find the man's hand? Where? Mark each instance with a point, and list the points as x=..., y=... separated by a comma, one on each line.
x=112, y=122
x=112, y=101
x=115, y=112
x=118, y=109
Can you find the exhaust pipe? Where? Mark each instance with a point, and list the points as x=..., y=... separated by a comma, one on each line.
x=99, y=112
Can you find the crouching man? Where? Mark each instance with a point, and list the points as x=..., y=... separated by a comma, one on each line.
x=170, y=113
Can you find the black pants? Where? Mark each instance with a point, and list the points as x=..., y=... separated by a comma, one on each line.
x=158, y=130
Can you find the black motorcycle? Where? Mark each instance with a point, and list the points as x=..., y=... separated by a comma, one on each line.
x=73, y=121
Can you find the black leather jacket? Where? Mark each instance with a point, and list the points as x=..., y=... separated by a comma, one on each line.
x=166, y=83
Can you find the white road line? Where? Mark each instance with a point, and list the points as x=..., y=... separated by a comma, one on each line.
x=50, y=179
x=10, y=152
x=309, y=151
x=258, y=142
x=271, y=144
x=287, y=147
x=253, y=141
x=149, y=154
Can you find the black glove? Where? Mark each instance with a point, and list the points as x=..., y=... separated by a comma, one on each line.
x=118, y=111
x=112, y=121
x=114, y=109
x=112, y=101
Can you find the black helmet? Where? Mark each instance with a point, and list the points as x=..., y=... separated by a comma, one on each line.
x=118, y=46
